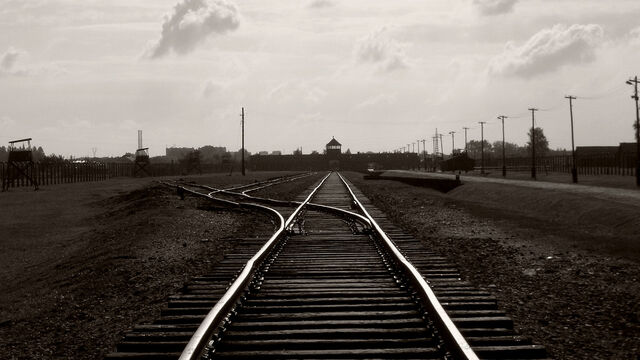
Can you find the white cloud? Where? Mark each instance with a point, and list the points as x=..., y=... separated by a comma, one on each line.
x=295, y=92
x=8, y=61
x=634, y=36
x=382, y=50
x=210, y=88
x=6, y=121
x=192, y=22
x=494, y=7
x=548, y=50
x=378, y=101
x=319, y=4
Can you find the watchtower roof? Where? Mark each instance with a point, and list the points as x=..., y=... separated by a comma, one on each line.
x=333, y=142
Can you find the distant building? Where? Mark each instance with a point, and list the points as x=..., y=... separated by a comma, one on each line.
x=333, y=159
x=627, y=149
x=276, y=152
x=212, y=154
x=263, y=153
x=621, y=151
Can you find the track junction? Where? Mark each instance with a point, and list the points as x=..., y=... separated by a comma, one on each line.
x=328, y=283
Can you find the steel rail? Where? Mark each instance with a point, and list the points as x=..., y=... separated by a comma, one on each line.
x=326, y=208
x=454, y=340
x=287, y=179
x=265, y=183
x=222, y=308
x=239, y=187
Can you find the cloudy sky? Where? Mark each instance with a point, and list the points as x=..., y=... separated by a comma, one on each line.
x=375, y=74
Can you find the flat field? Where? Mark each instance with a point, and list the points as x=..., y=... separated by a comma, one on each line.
x=565, y=267
x=82, y=263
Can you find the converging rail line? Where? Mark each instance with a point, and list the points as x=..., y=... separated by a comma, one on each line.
x=329, y=283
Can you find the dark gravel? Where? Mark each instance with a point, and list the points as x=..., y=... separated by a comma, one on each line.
x=579, y=302
x=111, y=263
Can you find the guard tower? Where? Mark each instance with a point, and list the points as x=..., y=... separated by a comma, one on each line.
x=141, y=165
x=334, y=149
x=20, y=164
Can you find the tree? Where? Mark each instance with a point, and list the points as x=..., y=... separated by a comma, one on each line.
x=474, y=149
x=348, y=152
x=53, y=159
x=542, y=144
x=510, y=149
x=38, y=154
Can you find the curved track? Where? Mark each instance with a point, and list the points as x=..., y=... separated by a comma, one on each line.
x=330, y=283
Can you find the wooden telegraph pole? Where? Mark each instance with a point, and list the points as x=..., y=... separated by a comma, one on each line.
x=574, y=169
x=243, y=173
x=482, y=146
x=504, y=161
x=424, y=152
x=533, y=142
x=634, y=82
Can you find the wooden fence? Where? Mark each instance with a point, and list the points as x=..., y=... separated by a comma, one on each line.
x=586, y=165
x=64, y=173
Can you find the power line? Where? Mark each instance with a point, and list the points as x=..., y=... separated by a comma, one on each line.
x=553, y=108
x=518, y=116
x=613, y=91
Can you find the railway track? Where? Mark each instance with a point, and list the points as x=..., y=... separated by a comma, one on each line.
x=329, y=283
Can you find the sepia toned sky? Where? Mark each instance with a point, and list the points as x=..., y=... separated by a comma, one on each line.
x=375, y=74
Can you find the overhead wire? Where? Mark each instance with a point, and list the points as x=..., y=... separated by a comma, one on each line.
x=613, y=91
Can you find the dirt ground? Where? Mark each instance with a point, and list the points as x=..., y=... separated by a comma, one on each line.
x=82, y=263
x=566, y=268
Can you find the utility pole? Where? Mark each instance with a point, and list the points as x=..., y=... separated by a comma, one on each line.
x=453, y=146
x=436, y=146
x=482, y=146
x=453, y=142
x=441, y=146
x=418, y=153
x=465, y=138
x=242, y=141
x=504, y=162
x=533, y=142
x=435, y=149
x=574, y=169
x=424, y=153
x=635, y=81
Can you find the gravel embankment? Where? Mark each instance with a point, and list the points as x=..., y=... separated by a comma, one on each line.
x=559, y=284
x=96, y=259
